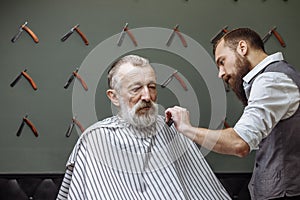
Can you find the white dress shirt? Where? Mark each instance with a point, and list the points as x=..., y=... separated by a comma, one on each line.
x=273, y=97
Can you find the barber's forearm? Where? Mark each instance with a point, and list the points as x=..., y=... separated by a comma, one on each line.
x=224, y=141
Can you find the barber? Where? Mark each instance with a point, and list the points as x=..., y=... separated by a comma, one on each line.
x=269, y=89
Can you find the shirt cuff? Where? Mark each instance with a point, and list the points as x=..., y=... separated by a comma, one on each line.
x=250, y=138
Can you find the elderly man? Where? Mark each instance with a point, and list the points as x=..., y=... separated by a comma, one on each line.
x=135, y=155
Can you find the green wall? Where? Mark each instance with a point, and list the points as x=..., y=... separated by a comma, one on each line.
x=51, y=62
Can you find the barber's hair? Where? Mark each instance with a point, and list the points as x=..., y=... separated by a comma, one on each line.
x=232, y=38
x=132, y=59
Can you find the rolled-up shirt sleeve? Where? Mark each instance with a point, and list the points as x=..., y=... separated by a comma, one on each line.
x=274, y=96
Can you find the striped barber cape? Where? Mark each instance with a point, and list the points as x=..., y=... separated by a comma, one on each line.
x=114, y=160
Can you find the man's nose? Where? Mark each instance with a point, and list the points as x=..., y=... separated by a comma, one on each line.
x=145, y=94
x=221, y=72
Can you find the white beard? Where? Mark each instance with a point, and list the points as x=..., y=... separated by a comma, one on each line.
x=139, y=121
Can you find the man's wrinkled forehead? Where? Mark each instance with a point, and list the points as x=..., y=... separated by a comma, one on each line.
x=136, y=73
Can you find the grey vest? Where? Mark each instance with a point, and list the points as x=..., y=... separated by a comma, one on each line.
x=277, y=164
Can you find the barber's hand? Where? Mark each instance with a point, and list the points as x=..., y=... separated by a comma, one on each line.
x=180, y=116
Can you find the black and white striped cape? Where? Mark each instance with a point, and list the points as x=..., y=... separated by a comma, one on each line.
x=114, y=160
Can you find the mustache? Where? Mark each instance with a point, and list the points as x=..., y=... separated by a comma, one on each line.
x=144, y=104
x=226, y=78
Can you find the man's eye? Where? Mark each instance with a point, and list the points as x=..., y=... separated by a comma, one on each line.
x=152, y=87
x=222, y=62
x=136, y=89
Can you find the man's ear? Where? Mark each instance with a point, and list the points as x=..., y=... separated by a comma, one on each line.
x=242, y=48
x=112, y=95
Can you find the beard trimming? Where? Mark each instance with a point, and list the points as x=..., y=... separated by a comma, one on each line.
x=139, y=120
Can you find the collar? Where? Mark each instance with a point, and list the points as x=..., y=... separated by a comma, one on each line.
x=143, y=133
x=118, y=122
x=263, y=64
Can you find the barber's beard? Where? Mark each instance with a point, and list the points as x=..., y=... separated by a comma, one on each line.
x=139, y=120
x=243, y=67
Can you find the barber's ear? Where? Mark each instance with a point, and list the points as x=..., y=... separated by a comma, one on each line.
x=242, y=48
x=112, y=95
